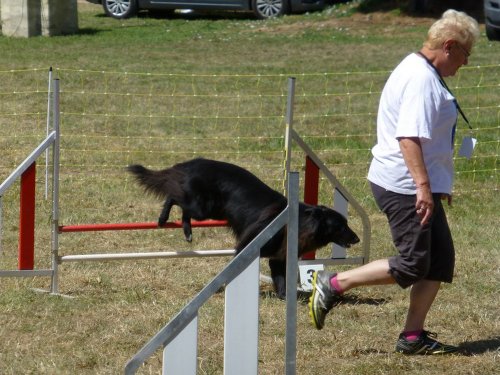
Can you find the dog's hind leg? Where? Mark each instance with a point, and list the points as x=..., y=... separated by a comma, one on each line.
x=186, y=226
x=165, y=212
x=278, y=274
x=186, y=219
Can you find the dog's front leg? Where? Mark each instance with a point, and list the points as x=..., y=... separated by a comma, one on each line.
x=278, y=274
x=186, y=226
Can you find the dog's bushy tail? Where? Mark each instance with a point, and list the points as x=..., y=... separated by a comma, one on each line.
x=160, y=183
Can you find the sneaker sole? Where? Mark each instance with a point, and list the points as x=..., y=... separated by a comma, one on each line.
x=314, y=322
x=426, y=352
x=446, y=349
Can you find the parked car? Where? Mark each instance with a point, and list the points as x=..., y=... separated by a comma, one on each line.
x=492, y=19
x=261, y=8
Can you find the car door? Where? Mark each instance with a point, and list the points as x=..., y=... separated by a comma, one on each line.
x=198, y=4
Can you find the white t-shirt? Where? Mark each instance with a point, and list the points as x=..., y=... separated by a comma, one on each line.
x=414, y=104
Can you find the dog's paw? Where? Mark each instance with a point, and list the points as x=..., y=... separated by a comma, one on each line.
x=189, y=238
x=281, y=296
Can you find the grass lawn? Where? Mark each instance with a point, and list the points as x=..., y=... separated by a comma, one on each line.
x=160, y=90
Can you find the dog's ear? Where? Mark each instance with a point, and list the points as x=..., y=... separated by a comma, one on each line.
x=330, y=220
x=323, y=209
x=323, y=218
x=323, y=213
x=315, y=211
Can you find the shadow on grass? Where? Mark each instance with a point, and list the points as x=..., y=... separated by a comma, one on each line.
x=90, y=31
x=481, y=346
x=357, y=300
x=303, y=298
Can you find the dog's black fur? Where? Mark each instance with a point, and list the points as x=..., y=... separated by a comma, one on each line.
x=209, y=189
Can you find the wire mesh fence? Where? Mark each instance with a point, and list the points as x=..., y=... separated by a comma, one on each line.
x=112, y=119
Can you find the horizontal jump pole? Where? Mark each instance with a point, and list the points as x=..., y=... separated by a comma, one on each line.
x=26, y=273
x=138, y=226
x=149, y=255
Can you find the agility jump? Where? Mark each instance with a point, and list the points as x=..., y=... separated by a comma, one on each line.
x=26, y=171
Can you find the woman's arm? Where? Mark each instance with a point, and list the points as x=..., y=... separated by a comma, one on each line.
x=414, y=159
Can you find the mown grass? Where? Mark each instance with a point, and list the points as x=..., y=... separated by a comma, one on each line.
x=110, y=119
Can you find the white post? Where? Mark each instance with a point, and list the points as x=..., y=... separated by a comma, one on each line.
x=48, y=130
x=289, y=127
x=55, y=193
x=241, y=325
x=291, y=274
x=180, y=356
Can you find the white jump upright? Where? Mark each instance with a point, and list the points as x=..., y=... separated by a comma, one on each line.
x=182, y=354
x=241, y=322
x=342, y=198
x=26, y=173
x=179, y=338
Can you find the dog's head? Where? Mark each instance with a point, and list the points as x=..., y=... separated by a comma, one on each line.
x=324, y=225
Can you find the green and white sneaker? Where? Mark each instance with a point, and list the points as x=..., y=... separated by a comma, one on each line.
x=322, y=299
x=424, y=345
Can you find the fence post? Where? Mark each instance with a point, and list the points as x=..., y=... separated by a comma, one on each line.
x=27, y=219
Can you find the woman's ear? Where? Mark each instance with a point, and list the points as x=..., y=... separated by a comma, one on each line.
x=447, y=45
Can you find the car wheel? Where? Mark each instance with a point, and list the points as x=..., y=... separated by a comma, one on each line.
x=264, y=9
x=120, y=8
x=492, y=34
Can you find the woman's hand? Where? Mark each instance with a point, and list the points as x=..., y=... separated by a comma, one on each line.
x=424, y=204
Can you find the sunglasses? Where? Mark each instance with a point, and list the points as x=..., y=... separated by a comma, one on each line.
x=465, y=52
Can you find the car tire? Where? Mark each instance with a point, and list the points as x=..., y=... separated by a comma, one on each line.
x=264, y=9
x=491, y=33
x=120, y=8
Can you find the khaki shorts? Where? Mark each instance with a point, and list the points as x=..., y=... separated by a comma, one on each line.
x=425, y=252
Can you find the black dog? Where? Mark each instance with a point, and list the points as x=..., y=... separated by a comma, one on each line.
x=209, y=189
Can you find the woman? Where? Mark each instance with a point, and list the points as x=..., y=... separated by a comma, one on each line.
x=410, y=173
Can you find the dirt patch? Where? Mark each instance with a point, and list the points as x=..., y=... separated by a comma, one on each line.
x=358, y=23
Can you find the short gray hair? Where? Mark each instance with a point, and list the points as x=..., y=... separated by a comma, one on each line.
x=453, y=25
